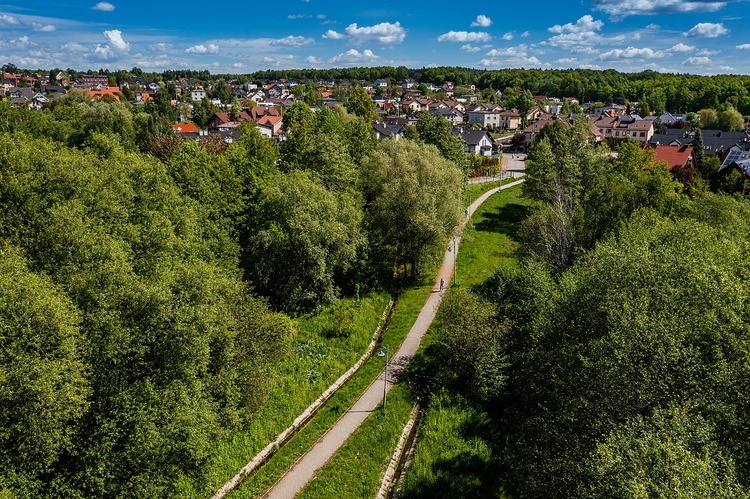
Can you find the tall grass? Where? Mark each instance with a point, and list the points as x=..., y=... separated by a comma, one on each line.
x=411, y=299
x=454, y=457
x=320, y=354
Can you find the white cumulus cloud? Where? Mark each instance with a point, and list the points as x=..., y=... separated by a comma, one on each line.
x=744, y=46
x=159, y=47
x=211, y=48
x=681, y=47
x=292, y=41
x=624, y=8
x=352, y=56
x=470, y=48
x=508, y=36
x=115, y=39
x=697, y=61
x=707, y=30
x=333, y=35
x=482, y=21
x=312, y=60
x=6, y=20
x=46, y=28
x=632, y=53
x=385, y=33
x=104, y=7
x=584, y=24
x=464, y=36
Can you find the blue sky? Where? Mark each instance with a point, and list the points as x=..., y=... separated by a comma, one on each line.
x=686, y=36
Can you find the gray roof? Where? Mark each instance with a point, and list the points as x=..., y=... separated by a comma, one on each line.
x=474, y=137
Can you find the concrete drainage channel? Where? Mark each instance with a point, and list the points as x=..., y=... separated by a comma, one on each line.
x=308, y=414
x=401, y=456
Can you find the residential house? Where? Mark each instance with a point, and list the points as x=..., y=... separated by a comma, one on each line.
x=485, y=118
x=273, y=90
x=536, y=113
x=449, y=87
x=510, y=120
x=153, y=86
x=610, y=110
x=94, y=80
x=401, y=120
x=113, y=92
x=224, y=120
x=259, y=112
x=478, y=142
x=738, y=158
x=144, y=96
x=619, y=127
x=454, y=116
x=388, y=131
x=676, y=157
x=269, y=126
x=53, y=89
x=532, y=131
x=715, y=142
x=671, y=120
x=197, y=94
x=183, y=128
x=381, y=83
x=408, y=83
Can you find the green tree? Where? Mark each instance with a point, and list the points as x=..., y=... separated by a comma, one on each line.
x=436, y=131
x=307, y=239
x=360, y=104
x=731, y=120
x=709, y=119
x=471, y=346
x=698, y=150
x=636, y=312
x=415, y=200
x=43, y=385
x=670, y=454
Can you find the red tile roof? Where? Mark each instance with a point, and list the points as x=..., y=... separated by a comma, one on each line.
x=186, y=128
x=674, y=156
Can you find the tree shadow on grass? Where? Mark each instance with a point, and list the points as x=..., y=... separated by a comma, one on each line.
x=505, y=220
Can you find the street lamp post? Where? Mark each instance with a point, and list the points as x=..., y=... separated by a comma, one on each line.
x=453, y=249
x=385, y=374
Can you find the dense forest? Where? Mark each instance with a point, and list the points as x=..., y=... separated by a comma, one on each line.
x=614, y=359
x=148, y=283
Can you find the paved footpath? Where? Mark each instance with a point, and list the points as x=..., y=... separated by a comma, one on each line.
x=308, y=465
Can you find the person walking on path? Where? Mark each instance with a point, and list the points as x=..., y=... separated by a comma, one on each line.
x=442, y=283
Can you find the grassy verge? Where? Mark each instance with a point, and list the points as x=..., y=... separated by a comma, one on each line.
x=473, y=191
x=491, y=238
x=453, y=456
x=410, y=302
x=318, y=358
x=356, y=469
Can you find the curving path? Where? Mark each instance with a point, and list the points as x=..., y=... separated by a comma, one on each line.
x=308, y=465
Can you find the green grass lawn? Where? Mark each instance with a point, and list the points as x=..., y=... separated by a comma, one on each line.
x=453, y=456
x=491, y=239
